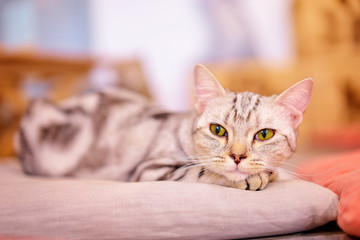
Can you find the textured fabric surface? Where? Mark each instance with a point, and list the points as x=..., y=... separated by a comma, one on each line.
x=93, y=209
x=341, y=174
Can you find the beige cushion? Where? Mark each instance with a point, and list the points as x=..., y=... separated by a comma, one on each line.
x=93, y=209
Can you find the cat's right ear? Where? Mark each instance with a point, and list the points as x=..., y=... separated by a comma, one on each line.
x=207, y=87
x=296, y=99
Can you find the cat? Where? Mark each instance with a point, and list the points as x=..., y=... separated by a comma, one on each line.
x=231, y=139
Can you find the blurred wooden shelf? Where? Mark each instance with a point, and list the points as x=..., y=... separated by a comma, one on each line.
x=65, y=73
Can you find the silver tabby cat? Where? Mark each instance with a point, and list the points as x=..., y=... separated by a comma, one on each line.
x=231, y=139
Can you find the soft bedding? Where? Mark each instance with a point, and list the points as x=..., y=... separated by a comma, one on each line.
x=341, y=174
x=95, y=209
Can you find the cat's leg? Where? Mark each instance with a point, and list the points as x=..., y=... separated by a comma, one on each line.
x=158, y=170
x=252, y=183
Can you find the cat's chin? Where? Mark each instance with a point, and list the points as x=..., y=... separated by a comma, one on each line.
x=236, y=175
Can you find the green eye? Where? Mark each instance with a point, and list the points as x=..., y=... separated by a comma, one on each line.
x=218, y=130
x=265, y=134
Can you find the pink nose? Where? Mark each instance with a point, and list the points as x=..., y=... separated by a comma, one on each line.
x=237, y=158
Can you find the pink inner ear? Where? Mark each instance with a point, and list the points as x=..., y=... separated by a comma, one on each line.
x=206, y=86
x=297, y=97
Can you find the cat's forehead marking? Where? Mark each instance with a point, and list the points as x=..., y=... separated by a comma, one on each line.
x=245, y=104
x=231, y=109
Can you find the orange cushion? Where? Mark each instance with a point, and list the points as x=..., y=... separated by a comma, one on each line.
x=341, y=174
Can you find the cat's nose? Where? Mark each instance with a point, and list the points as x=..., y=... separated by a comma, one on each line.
x=237, y=158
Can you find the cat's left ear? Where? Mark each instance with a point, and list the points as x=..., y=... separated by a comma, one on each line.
x=207, y=87
x=296, y=99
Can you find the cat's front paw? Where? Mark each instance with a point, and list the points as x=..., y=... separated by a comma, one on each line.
x=273, y=176
x=257, y=181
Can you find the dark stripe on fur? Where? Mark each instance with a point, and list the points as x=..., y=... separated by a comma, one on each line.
x=150, y=146
x=253, y=108
x=227, y=118
x=243, y=104
x=154, y=139
x=166, y=176
x=178, y=142
x=182, y=176
x=248, y=116
x=74, y=110
x=202, y=172
x=235, y=114
x=289, y=144
x=161, y=165
x=103, y=109
x=257, y=103
x=234, y=100
x=234, y=108
x=161, y=116
x=62, y=134
x=26, y=154
x=247, y=185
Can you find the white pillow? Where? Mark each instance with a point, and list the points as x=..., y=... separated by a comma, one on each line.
x=93, y=209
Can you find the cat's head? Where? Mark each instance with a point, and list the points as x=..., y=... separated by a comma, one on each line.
x=241, y=134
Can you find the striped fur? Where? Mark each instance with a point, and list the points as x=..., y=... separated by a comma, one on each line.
x=116, y=134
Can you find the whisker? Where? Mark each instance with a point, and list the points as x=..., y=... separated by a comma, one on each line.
x=198, y=157
x=286, y=163
x=199, y=161
x=303, y=175
x=190, y=158
x=204, y=160
x=294, y=174
x=287, y=172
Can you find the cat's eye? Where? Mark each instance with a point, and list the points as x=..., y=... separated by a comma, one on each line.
x=264, y=134
x=218, y=130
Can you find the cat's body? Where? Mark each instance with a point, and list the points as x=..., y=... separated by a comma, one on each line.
x=110, y=134
x=119, y=135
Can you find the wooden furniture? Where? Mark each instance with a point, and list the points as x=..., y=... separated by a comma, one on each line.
x=55, y=76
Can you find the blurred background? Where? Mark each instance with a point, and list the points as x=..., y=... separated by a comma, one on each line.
x=57, y=48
